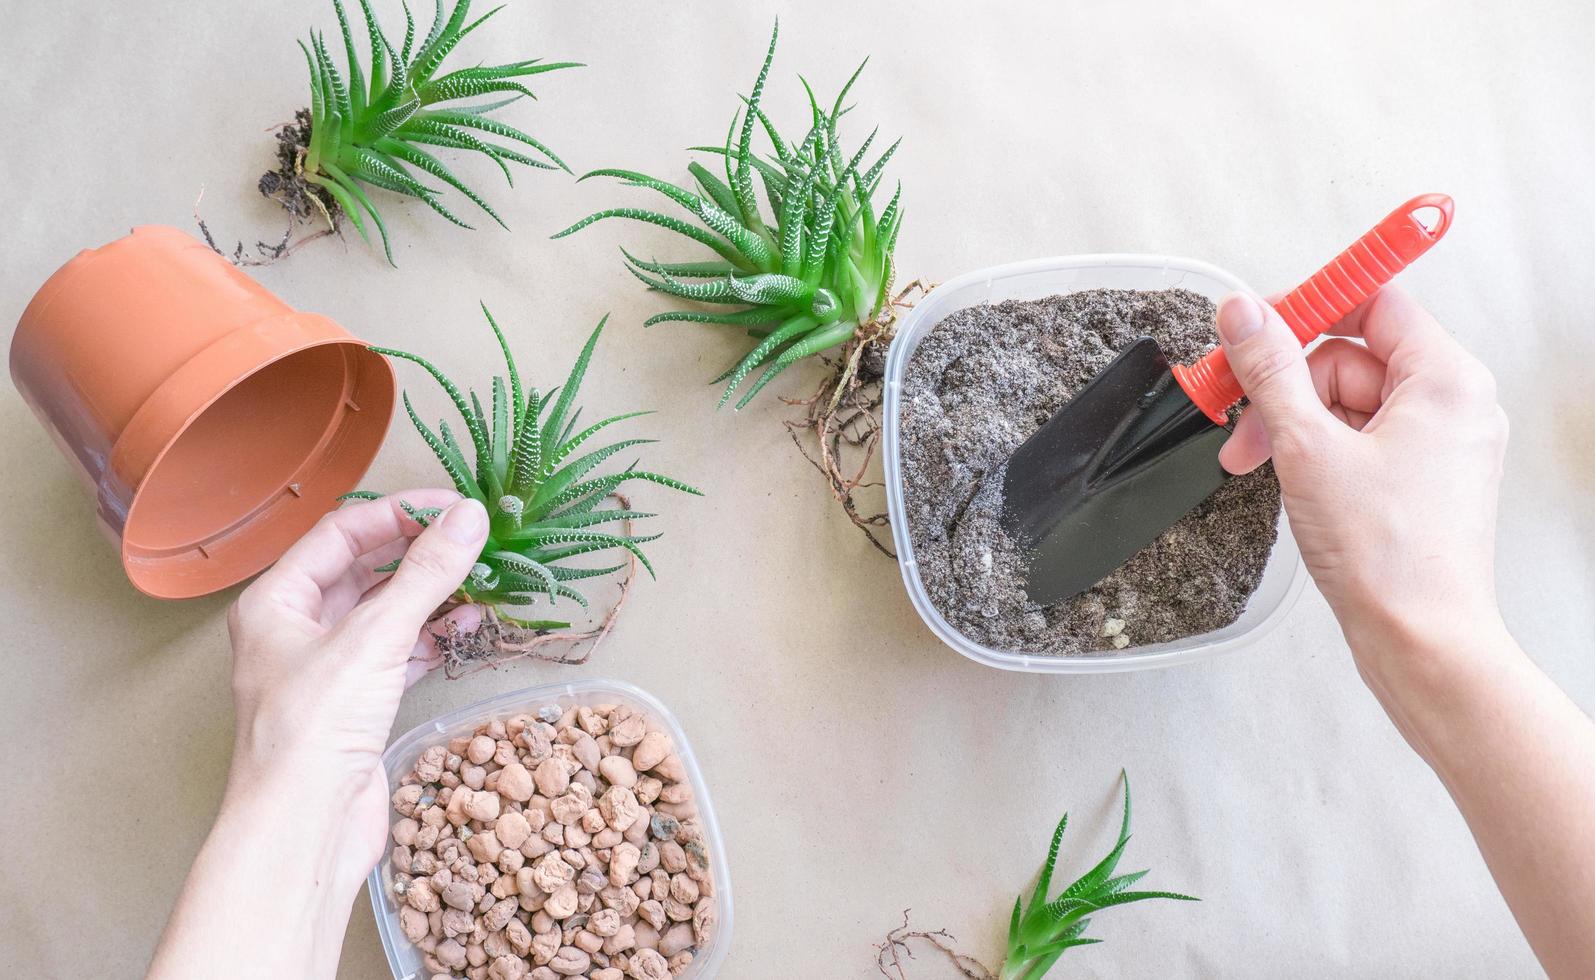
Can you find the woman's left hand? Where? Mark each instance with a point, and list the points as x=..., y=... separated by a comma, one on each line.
x=323, y=647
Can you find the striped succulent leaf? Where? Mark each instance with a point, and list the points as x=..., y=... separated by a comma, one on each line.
x=801, y=274
x=544, y=503
x=1042, y=931
x=370, y=124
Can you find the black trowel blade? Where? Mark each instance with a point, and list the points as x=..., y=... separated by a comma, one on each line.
x=1127, y=456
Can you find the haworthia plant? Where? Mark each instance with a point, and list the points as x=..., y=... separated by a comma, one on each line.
x=372, y=130
x=1040, y=933
x=802, y=277
x=544, y=500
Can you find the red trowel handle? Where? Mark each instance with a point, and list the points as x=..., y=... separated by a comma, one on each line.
x=1331, y=293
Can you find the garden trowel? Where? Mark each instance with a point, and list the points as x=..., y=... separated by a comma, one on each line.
x=1137, y=447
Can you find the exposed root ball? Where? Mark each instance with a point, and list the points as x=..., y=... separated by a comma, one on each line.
x=303, y=200
x=499, y=641
x=287, y=186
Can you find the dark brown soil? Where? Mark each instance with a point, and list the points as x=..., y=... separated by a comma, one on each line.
x=303, y=200
x=285, y=185
x=977, y=386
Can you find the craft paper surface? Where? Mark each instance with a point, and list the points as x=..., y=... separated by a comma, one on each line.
x=859, y=768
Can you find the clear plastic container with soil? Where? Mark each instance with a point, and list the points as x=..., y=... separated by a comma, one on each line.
x=710, y=938
x=974, y=370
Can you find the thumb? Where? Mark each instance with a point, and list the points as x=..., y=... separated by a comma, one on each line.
x=1269, y=364
x=433, y=568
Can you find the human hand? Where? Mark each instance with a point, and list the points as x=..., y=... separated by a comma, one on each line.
x=1389, y=458
x=323, y=648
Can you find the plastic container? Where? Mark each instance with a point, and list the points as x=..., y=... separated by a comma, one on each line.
x=1284, y=574
x=403, y=958
x=212, y=422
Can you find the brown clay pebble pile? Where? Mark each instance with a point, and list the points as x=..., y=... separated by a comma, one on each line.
x=976, y=387
x=558, y=844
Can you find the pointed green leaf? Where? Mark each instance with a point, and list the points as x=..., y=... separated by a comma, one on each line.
x=417, y=157
x=713, y=186
x=742, y=175
x=688, y=270
x=1044, y=880
x=592, y=518
x=813, y=343
x=715, y=291
x=763, y=351
x=569, y=445
x=553, y=425
x=574, y=574
x=741, y=318
x=663, y=221
x=750, y=244
x=453, y=464
x=473, y=426
x=357, y=82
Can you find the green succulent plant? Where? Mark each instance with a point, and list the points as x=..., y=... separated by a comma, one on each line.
x=542, y=501
x=802, y=279
x=1039, y=933
x=373, y=130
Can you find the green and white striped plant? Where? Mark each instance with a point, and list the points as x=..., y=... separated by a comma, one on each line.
x=543, y=502
x=372, y=130
x=804, y=277
x=1040, y=933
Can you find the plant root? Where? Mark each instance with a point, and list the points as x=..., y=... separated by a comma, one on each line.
x=267, y=252
x=302, y=199
x=499, y=641
x=889, y=953
x=287, y=184
x=842, y=419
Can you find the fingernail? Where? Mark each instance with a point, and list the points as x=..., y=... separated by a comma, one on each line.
x=1239, y=316
x=465, y=522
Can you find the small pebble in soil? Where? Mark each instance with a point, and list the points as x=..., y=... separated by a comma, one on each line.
x=979, y=383
x=501, y=883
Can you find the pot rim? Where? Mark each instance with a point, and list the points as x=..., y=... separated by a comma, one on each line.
x=129, y=347
x=118, y=504
x=925, y=314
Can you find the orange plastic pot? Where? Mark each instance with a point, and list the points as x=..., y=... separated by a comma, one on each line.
x=212, y=422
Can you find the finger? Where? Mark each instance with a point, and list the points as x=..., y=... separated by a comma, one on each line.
x=426, y=658
x=343, y=595
x=1349, y=379
x=341, y=537
x=1393, y=325
x=1269, y=364
x=1353, y=418
x=1247, y=447
x=429, y=573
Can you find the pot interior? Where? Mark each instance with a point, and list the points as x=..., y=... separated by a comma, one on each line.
x=255, y=469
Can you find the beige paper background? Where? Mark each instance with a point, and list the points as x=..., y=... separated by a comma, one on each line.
x=858, y=767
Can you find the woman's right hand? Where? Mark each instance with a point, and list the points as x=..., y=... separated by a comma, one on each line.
x=1389, y=457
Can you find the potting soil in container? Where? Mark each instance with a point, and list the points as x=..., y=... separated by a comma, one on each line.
x=977, y=386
